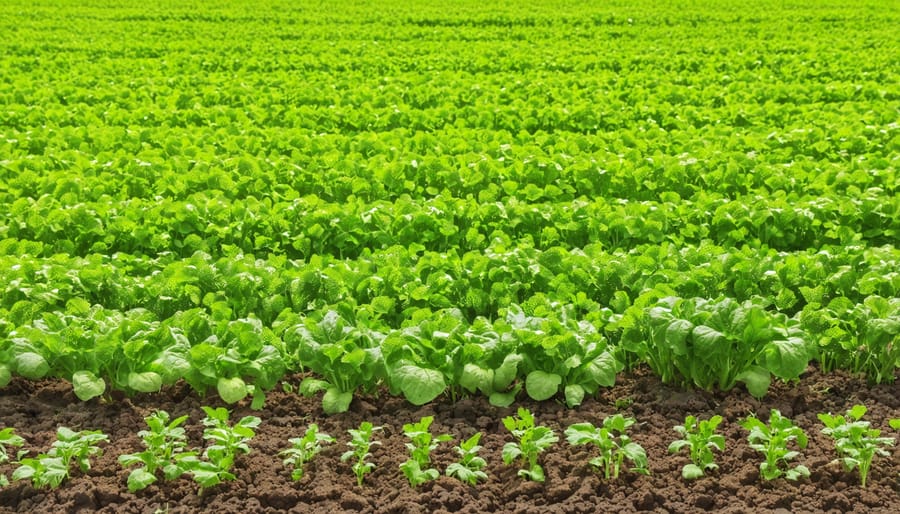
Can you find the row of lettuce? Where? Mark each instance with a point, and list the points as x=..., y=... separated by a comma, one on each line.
x=546, y=348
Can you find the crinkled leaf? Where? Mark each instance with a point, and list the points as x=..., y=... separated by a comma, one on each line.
x=146, y=382
x=574, y=395
x=231, y=390
x=541, y=385
x=31, y=365
x=87, y=385
x=419, y=385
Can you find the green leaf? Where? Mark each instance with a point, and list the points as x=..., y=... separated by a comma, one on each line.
x=757, y=380
x=5, y=375
x=336, y=401
x=31, y=365
x=691, y=471
x=787, y=359
x=231, y=390
x=541, y=385
x=87, y=385
x=475, y=377
x=146, y=382
x=139, y=479
x=310, y=386
x=507, y=372
x=574, y=395
x=419, y=385
x=500, y=399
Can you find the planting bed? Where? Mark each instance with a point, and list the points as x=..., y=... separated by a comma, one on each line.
x=263, y=485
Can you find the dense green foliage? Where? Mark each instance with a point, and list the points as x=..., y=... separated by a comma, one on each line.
x=464, y=198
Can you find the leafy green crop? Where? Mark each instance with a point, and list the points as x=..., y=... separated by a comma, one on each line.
x=361, y=443
x=614, y=445
x=416, y=468
x=772, y=441
x=304, y=449
x=165, y=443
x=855, y=441
x=227, y=442
x=700, y=438
x=470, y=468
x=52, y=468
x=530, y=442
x=8, y=438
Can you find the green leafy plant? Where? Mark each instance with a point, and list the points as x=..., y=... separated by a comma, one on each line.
x=614, y=445
x=416, y=468
x=227, y=441
x=772, y=441
x=532, y=441
x=165, y=443
x=855, y=441
x=303, y=450
x=701, y=439
x=470, y=467
x=52, y=468
x=8, y=438
x=361, y=443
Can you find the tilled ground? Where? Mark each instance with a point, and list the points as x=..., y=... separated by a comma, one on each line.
x=36, y=409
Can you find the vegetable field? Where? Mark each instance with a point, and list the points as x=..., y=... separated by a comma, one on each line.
x=503, y=257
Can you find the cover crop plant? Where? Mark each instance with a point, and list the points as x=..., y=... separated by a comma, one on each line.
x=7, y=438
x=165, y=443
x=423, y=443
x=855, y=441
x=772, y=441
x=52, y=468
x=361, y=443
x=303, y=450
x=227, y=441
x=701, y=439
x=532, y=441
x=614, y=445
x=470, y=467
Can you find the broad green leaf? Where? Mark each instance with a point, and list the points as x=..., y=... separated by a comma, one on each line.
x=419, y=385
x=335, y=401
x=707, y=340
x=146, y=382
x=139, y=479
x=507, y=372
x=676, y=335
x=574, y=395
x=31, y=365
x=87, y=385
x=231, y=390
x=786, y=359
x=310, y=386
x=5, y=375
x=506, y=399
x=757, y=380
x=541, y=385
x=691, y=471
x=475, y=377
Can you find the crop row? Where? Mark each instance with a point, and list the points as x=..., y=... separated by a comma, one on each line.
x=166, y=454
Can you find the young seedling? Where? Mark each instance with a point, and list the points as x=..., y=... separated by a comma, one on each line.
x=227, y=441
x=303, y=450
x=361, y=442
x=772, y=441
x=700, y=438
x=8, y=438
x=470, y=467
x=532, y=441
x=614, y=445
x=423, y=443
x=52, y=468
x=164, y=443
x=855, y=441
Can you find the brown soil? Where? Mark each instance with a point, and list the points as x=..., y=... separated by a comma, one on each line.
x=36, y=409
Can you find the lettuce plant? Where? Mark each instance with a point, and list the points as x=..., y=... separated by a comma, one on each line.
x=303, y=449
x=701, y=439
x=470, y=467
x=532, y=441
x=164, y=443
x=8, y=438
x=772, y=441
x=416, y=468
x=52, y=468
x=855, y=441
x=361, y=443
x=614, y=445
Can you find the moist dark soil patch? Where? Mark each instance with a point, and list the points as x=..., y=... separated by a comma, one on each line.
x=36, y=409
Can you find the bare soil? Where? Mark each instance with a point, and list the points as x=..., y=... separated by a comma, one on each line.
x=263, y=485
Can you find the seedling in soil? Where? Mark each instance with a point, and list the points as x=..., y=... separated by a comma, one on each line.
x=303, y=449
x=469, y=468
x=165, y=443
x=52, y=468
x=8, y=438
x=423, y=443
x=895, y=423
x=700, y=438
x=772, y=441
x=614, y=445
x=532, y=441
x=361, y=442
x=227, y=441
x=855, y=441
